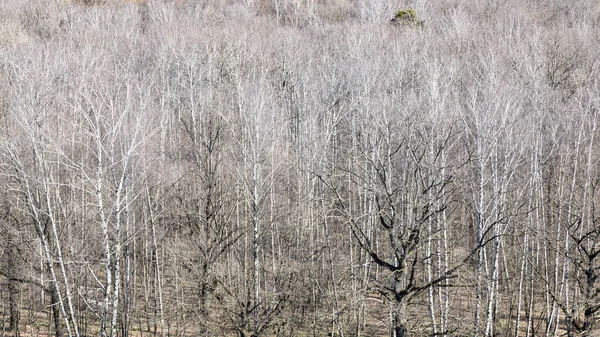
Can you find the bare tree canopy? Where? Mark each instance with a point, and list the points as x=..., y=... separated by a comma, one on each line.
x=299, y=168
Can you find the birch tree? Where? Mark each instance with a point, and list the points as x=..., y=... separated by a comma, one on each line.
x=35, y=158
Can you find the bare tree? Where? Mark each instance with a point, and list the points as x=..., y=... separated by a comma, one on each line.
x=36, y=169
x=409, y=192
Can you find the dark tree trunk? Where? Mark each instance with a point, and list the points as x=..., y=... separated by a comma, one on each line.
x=399, y=319
x=13, y=308
x=56, y=312
x=127, y=291
x=400, y=331
x=589, y=318
x=13, y=288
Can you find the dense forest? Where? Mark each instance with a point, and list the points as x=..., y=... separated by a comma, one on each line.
x=299, y=168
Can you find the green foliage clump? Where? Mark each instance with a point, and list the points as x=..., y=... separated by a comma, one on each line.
x=407, y=17
x=407, y=14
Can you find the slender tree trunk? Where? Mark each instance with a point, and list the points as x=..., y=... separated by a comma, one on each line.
x=108, y=290
x=127, y=287
x=155, y=268
x=480, y=231
x=443, y=258
x=336, y=325
x=13, y=285
x=58, y=300
x=255, y=246
x=522, y=273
